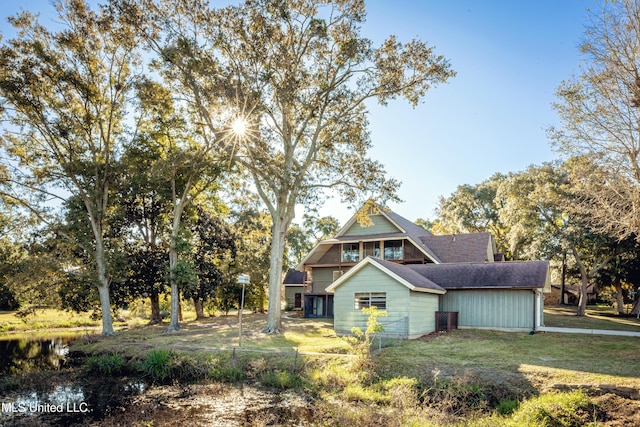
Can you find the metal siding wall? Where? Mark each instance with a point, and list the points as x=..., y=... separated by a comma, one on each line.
x=370, y=279
x=380, y=225
x=422, y=313
x=491, y=309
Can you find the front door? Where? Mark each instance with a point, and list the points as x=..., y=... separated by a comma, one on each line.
x=298, y=301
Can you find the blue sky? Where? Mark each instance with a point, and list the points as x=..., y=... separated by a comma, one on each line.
x=510, y=56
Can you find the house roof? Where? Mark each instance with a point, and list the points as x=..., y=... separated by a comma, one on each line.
x=406, y=277
x=294, y=277
x=488, y=275
x=438, y=278
x=472, y=247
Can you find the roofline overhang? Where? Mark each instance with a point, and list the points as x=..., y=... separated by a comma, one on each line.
x=352, y=220
x=372, y=261
x=358, y=239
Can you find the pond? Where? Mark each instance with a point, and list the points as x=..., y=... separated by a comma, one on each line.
x=18, y=356
x=37, y=381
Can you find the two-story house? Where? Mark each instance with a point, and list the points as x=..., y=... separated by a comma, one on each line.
x=401, y=252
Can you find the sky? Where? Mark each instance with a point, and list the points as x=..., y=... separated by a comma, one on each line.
x=509, y=55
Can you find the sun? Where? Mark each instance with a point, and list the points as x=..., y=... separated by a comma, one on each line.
x=239, y=126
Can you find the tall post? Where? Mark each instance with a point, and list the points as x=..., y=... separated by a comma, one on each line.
x=244, y=279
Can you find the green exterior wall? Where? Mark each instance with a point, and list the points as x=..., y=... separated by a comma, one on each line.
x=290, y=295
x=422, y=309
x=380, y=226
x=405, y=309
x=323, y=277
x=504, y=308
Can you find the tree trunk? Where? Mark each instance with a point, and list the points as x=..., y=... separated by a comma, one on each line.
x=636, y=307
x=154, y=298
x=582, y=301
x=619, y=298
x=103, y=287
x=280, y=225
x=199, y=309
x=174, y=323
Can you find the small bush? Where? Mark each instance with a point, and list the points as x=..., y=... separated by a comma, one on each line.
x=357, y=393
x=573, y=409
x=282, y=380
x=402, y=392
x=230, y=375
x=158, y=364
x=107, y=364
x=9, y=384
x=507, y=406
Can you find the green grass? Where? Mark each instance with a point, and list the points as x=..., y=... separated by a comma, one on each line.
x=45, y=319
x=474, y=377
x=597, y=317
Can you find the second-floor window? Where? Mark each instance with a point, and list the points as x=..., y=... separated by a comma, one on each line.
x=393, y=250
x=350, y=252
x=372, y=249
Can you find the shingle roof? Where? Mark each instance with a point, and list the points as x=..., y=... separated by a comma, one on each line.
x=408, y=274
x=295, y=277
x=471, y=247
x=490, y=275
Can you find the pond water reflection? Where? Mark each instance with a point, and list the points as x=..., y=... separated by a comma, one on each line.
x=33, y=354
x=63, y=396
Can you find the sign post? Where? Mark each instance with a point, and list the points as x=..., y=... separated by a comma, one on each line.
x=243, y=279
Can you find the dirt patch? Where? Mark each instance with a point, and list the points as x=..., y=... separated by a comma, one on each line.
x=618, y=411
x=212, y=404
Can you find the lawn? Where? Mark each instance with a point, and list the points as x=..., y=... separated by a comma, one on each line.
x=45, y=318
x=597, y=317
x=465, y=375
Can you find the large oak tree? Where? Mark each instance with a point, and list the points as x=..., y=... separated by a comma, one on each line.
x=65, y=94
x=600, y=119
x=298, y=73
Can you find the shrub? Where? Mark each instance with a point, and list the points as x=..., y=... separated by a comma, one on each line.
x=231, y=375
x=507, y=406
x=107, y=364
x=158, y=364
x=357, y=393
x=573, y=409
x=402, y=392
x=282, y=380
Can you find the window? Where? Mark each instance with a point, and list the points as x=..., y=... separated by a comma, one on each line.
x=372, y=249
x=370, y=299
x=350, y=252
x=393, y=250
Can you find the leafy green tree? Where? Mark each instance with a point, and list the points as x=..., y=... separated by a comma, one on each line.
x=252, y=227
x=475, y=208
x=296, y=76
x=66, y=93
x=214, y=251
x=186, y=170
x=147, y=277
x=537, y=210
